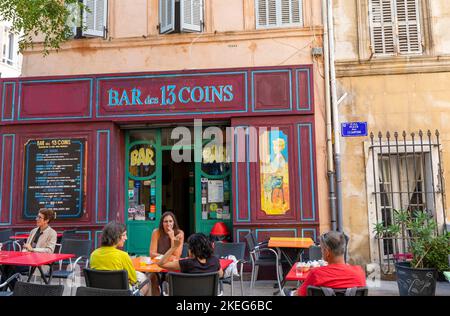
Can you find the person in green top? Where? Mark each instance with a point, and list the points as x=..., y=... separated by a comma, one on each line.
x=108, y=257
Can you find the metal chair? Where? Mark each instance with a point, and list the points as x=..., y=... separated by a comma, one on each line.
x=193, y=284
x=67, y=234
x=314, y=253
x=81, y=248
x=237, y=250
x=4, y=239
x=184, y=252
x=258, y=255
x=326, y=291
x=33, y=289
x=113, y=280
x=4, y=285
x=92, y=291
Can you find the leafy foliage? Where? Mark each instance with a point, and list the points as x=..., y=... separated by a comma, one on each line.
x=50, y=18
x=429, y=250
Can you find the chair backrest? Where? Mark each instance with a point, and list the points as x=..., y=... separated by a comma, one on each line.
x=78, y=247
x=32, y=289
x=315, y=253
x=237, y=249
x=193, y=284
x=184, y=252
x=326, y=291
x=5, y=234
x=251, y=242
x=115, y=280
x=71, y=233
x=92, y=291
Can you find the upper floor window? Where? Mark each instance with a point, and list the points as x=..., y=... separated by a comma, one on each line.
x=8, y=47
x=91, y=22
x=177, y=16
x=278, y=13
x=395, y=27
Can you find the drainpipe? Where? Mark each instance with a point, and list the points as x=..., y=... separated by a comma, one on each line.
x=335, y=118
x=330, y=163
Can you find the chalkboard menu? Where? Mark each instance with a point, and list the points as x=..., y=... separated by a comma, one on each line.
x=54, y=177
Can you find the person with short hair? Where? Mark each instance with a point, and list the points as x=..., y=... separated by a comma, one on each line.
x=41, y=239
x=109, y=258
x=201, y=257
x=337, y=274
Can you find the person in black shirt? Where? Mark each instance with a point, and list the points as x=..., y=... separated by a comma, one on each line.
x=201, y=257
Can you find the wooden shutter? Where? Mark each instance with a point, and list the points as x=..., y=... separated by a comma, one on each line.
x=191, y=15
x=291, y=12
x=166, y=16
x=278, y=13
x=95, y=20
x=408, y=20
x=382, y=26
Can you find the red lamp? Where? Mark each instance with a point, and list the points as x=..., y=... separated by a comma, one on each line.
x=220, y=229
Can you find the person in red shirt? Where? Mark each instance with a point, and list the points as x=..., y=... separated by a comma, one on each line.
x=337, y=274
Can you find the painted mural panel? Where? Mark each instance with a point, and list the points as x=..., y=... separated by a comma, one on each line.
x=274, y=170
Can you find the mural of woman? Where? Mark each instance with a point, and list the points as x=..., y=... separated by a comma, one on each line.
x=274, y=173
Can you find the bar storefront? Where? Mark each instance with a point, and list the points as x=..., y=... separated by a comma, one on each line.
x=221, y=145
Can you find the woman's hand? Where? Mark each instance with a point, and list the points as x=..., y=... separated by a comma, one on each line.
x=177, y=241
x=171, y=234
x=28, y=247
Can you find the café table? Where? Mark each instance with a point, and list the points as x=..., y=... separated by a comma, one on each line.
x=25, y=236
x=35, y=260
x=281, y=244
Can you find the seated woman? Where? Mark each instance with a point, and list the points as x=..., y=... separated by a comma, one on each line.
x=201, y=257
x=41, y=239
x=162, y=240
x=108, y=257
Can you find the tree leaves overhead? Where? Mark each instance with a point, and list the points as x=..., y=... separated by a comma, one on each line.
x=48, y=18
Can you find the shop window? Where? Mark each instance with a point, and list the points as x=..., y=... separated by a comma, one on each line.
x=274, y=171
x=395, y=27
x=216, y=175
x=141, y=180
x=278, y=13
x=91, y=22
x=180, y=16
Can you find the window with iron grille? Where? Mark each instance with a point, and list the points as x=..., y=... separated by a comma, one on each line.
x=278, y=13
x=403, y=174
x=395, y=27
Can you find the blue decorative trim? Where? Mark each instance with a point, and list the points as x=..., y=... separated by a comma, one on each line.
x=12, y=176
x=238, y=231
x=253, y=91
x=311, y=161
x=170, y=76
x=236, y=163
x=107, y=177
x=13, y=101
x=308, y=71
x=257, y=230
x=97, y=233
x=91, y=80
x=80, y=201
x=310, y=229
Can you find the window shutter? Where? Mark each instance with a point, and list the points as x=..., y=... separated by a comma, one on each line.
x=166, y=16
x=191, y=15
x=409, y=36
x=266, y=13
x=381, y=14
x=95, y=20
x=291, y=12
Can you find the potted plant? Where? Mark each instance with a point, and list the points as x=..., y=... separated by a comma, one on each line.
x=427, y=251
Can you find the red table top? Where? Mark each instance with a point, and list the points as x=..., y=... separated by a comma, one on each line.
x=25, y=236
x=292, y=275
x=33, y=259
x=224, y=263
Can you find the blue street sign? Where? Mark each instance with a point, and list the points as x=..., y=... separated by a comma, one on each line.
x=354, y=129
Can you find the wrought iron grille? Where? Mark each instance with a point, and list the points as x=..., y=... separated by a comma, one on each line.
x=407, y=176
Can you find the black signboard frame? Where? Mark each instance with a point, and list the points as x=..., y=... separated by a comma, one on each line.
x=57, y=145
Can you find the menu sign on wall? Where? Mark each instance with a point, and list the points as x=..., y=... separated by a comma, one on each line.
x=54, y=177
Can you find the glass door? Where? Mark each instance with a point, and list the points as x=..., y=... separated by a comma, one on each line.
x=142, y=187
